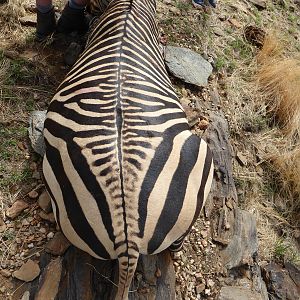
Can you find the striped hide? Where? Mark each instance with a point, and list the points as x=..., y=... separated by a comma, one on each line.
x=125, y=174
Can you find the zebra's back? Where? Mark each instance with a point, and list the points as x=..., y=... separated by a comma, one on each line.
x=124, y=172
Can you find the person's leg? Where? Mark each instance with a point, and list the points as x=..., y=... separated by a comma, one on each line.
x=72, y=17
x=45, y=19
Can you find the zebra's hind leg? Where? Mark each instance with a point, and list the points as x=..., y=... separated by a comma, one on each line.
x=177, y=245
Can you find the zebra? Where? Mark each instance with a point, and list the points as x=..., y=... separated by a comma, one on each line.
x=125, y=175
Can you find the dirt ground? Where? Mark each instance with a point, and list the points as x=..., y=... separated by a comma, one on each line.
x=30, y=73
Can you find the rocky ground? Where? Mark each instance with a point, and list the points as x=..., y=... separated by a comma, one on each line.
x=223, y=257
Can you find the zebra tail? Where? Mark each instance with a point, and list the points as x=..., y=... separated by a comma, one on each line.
x=127, y=267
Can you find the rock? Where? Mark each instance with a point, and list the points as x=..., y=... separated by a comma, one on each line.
x=218, y=31
x=48, y=217
x=35, y=131
x=203, y=233
x=28, y=20
x=2, y=228
x=26, y=296
x=72, y=53
x=238, y=293
x=261, y=4
x=28, y=272
x=191, y=115
x=241, y=158
x=243, y=245
x=16, y=209
x=50, y=280
x=33, y=194
x=203, y=124
x=5, y=273
x=294, y=272
x=50, y=235
x=279, y=283
x=187, y=65
x=235, y=23
x=200, y=288
x=58, y=245
x=45, y=202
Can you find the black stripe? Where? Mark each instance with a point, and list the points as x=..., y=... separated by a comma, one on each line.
x=200, y=195
x=54, y=201
x=162, y=154
x=74, y=211
x=177, y=190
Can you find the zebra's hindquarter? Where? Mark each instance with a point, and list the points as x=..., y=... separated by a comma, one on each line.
x=169, y=206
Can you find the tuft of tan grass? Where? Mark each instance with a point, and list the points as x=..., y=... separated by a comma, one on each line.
x=272, y=48
x=279, y=81
x=286, y=165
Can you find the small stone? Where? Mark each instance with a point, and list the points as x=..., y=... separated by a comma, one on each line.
x=241, y=158
x=50, y=235
x=2, y=228
x=58, y=245
x=5, y=273
x=210, y=283
x=177, y=255
x=203, y=124
x=158, y=273
x=200, y=288
x=28, y=20
x=48, y=217
x=26, y=296
x=45, y=202
x=16, y=209
x=33, y=194
x=207, y=292
x=42, y=230
x=203, y=233
x=218, y=31
x=204, y=243
x=30, y=246
x=25, y=222
x=28, y=272
x=235, y=23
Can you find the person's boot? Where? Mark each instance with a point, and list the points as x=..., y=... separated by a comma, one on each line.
x=72, y=19
x=46, y=24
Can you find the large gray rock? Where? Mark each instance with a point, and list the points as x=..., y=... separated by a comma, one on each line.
x=35, y=131
x=282, y=283
x=243, y=246
x=187, y=65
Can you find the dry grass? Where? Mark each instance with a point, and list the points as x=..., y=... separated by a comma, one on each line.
x=286, y=165
x=279, y=81
x=13, y=10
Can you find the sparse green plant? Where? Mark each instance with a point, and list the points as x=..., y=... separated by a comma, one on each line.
x=280, y=249
x=184, y=6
